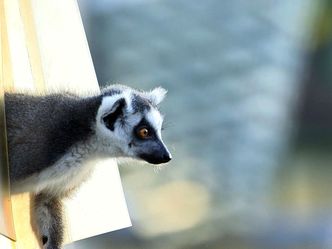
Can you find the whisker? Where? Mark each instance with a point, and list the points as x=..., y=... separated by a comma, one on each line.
x=166, y=125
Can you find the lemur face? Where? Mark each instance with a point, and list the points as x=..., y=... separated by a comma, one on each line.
x=129, y=124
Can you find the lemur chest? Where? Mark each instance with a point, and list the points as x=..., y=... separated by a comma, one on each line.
x=67, y=173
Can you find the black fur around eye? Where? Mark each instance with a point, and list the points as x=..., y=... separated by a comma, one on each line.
x=144, y=130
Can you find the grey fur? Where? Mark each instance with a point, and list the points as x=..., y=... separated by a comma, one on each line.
x=43, y=128
x=140, y=104
x=53, y=139
x=47, y=222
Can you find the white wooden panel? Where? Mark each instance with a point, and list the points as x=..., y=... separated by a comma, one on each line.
x=19, y=58
x=63, y=46
x=6, y=243
x=106, y=200
x=6, y=217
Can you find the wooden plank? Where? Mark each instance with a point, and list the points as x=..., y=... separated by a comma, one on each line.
x=6, y=221
x=6, y=71
x=64, y=50
x=32, y=44
x=17, y=48
x=17, y=73
x=26, y=238
x=6, y=243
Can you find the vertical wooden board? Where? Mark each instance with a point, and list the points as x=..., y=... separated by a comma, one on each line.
x=21, y=210
x=98, y=203
x=6, y=72
x=16, y=73
x=32, y=44
x=18, y=52
x=6, y=243
x=63, y=46
x=6, y=221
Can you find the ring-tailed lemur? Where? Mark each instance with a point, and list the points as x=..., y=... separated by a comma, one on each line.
x=52, y=137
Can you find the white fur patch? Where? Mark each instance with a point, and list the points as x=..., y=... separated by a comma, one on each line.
x=114, y=143
x=157, y=95
x=65, y=175
x=156, y=120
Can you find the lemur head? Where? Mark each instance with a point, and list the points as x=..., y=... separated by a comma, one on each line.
x=129, y=124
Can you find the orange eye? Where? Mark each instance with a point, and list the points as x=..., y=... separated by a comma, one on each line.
x=143, y=133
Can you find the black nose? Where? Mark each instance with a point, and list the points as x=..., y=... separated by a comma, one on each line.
x=155, y=158
x=166, y=158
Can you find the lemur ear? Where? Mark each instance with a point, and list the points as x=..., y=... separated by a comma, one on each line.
x=116, y=111
x=157, y=95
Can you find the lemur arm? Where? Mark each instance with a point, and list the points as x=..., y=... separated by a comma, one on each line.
x=48, y=224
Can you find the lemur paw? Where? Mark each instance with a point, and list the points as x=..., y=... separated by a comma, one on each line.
x=44, y=239
x=48, y=244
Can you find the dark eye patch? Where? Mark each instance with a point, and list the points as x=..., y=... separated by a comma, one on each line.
x=144, y=124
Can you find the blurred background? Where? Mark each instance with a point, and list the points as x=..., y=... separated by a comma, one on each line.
x=248, y=120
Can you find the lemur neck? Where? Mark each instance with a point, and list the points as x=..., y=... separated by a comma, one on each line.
x=106, y=148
